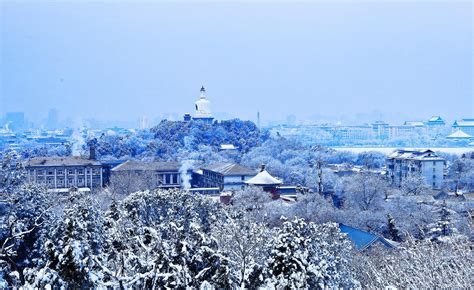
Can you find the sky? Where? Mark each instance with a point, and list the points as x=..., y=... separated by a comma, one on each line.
x=352, y=61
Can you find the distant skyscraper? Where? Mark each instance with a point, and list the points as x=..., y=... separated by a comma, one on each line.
x=143, y=123
x=52, y=120
x=16, y=121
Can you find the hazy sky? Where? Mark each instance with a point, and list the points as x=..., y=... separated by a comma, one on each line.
x=119, y=61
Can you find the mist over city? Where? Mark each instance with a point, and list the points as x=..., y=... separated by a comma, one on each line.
x=266, y=144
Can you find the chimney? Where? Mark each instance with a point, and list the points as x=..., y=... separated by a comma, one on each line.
x=262, y=167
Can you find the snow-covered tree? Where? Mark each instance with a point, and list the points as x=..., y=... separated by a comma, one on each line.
x=245, y=241
x=419, y=264
x=392, y=229
x=414, y=185
x=72, y=250
x=443, y=227
x=24, y=208
x=310, y=255
x=365, y=191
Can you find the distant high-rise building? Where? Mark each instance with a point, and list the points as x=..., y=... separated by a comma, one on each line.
x=144, y=123
x=16, y=121
x=52, y=120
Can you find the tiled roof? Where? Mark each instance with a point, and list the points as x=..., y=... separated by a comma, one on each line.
x=459, y=134
x=464, y=123
x=61, y=161
x=263, y=178
x=436, y=119
x=363, y=239
x=414, y=155
x=230, y=169
x=145, y=166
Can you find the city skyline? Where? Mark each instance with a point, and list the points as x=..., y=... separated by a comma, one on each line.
x=352, y=62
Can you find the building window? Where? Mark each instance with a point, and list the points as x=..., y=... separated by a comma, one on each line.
x=81, y=171
x=175, y=178
x=70, y=171
x=60, y=171
x=242, y=178
x=70, y=181
x=60, y=182
x=50, y=172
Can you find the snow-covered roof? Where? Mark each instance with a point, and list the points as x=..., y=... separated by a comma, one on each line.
x=131, y=165
x=263, y=178
x=435, y=118
x=230, y=169
x=414, y=155
x=459, y=134
x=61, y=161
x=67, y=190
x=227, y=147
x=464, y=123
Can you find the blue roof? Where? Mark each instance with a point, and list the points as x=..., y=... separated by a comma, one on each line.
x=363, y=239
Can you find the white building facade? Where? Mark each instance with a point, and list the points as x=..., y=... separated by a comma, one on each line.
x=404, y=163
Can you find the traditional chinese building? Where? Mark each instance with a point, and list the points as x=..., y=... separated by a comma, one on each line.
x=266, y=181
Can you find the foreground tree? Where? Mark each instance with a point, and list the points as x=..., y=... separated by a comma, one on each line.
x=310, y=255
x=246, y=242
x=419, y=264
x=24, y=208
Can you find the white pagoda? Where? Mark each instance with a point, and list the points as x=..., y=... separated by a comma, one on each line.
x=203, y=108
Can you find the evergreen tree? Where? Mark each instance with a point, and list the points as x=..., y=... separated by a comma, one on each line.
x=393, y=230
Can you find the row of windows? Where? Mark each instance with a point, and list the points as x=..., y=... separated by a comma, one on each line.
x=170, y=179
x=69, y=182
x=68, y=171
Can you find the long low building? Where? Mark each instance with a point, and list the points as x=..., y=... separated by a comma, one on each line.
x=66, y=172
x=167, y=173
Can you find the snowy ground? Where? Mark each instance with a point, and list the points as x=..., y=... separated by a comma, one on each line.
x=388, y=150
